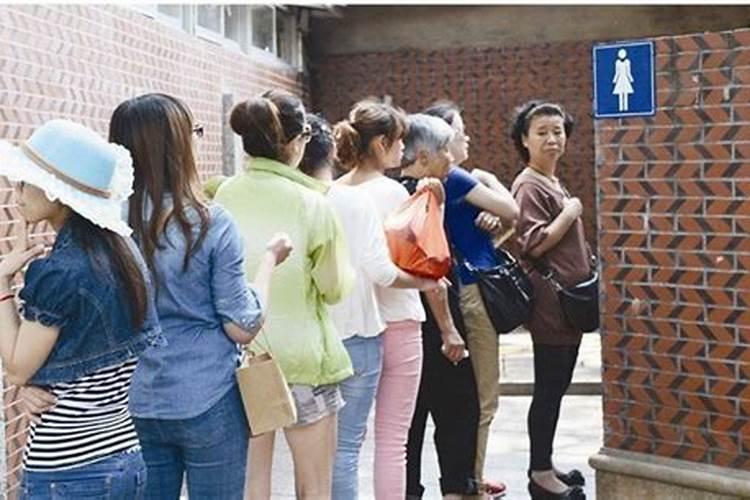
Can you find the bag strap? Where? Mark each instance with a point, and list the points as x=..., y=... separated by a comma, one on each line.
x=248, y=350
x=545, y=271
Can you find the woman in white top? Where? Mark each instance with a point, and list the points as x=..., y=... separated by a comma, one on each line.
x=357, y=318
x=369, y=143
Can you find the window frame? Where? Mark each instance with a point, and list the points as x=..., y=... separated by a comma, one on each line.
x=188, y=22
x=207, y=33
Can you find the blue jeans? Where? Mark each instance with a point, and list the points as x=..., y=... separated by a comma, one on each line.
x=119, y=477
x=211, y=448
x=358, y=391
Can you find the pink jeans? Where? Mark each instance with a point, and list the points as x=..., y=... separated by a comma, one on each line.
x=394, y=406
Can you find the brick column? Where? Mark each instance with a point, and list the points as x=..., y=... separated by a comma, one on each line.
x=673, y=215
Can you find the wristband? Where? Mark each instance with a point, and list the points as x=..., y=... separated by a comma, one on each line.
x=7, y=296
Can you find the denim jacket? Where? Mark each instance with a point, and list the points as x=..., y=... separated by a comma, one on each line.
x=192, y=372
x=69, y=290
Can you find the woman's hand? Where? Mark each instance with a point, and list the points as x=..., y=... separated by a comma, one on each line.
x=14, y=261
x=573, y=207
x=428, y=285
x=280, y=246
x=433, y=185
x=35, y=401
x=454, y=347
x=488, y=223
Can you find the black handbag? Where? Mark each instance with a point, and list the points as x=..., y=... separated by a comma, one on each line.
x=580, y=302
x=505, y=289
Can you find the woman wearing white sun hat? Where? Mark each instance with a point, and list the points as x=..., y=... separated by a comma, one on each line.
x=87, y=314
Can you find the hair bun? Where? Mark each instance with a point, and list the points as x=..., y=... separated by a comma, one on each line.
x=242, y=117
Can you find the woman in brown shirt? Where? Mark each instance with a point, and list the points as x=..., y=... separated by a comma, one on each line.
x=550, y=234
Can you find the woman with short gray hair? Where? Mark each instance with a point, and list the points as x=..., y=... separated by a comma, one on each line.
x=426, y=135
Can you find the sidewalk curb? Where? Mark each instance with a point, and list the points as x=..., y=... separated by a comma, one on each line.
x=527, y=389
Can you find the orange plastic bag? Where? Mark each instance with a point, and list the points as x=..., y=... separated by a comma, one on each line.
x=416, y=238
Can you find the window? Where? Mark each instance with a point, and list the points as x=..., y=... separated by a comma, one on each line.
x=210, y=20
x=287, y=38
x=175, y=15
x=245, y=27
x=263, y=28
x=170, y=10
x=237, y=25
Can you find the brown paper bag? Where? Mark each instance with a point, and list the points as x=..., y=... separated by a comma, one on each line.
x=265, y=393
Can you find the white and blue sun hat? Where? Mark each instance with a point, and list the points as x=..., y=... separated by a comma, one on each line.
x=75, y=165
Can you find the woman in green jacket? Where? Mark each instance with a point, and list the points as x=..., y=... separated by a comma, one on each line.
x=271, y=195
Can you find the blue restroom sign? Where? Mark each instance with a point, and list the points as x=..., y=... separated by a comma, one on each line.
x=624, y=80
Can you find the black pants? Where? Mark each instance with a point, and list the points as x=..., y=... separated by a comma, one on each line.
x=449, y=394
x=553, y=371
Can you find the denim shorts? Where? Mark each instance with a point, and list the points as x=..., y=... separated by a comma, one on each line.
x=119, y=477
x=315, y=403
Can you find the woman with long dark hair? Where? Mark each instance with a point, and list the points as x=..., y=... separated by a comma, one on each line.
x=88, y=313
x=272, y=194
x=185, y=400
x=550, y=234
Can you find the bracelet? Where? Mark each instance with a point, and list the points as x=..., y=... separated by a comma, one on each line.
x=6, y=297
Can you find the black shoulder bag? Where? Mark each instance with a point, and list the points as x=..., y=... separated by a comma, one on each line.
x=580, y=302
x=505, y=289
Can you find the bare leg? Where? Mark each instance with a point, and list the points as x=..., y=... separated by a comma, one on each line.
x=313, y=450
x=258, y=472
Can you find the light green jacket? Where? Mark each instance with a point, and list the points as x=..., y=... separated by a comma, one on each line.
x=270, y=197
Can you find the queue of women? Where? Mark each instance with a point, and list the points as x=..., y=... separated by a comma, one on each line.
x=129, y=329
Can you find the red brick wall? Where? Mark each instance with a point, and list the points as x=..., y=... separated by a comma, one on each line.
x=79, y=62
x=674, y=218
x=488, y=83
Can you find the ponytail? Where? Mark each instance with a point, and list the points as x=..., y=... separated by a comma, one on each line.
x=348, y=144
x=368, y=119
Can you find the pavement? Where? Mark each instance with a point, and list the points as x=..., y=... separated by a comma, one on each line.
x=517, y=368
x=579, y=433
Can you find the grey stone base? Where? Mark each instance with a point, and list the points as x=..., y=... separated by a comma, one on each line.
x=636, y=476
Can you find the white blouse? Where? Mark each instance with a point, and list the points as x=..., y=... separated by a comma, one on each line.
x=395, y=304
x=358, y=314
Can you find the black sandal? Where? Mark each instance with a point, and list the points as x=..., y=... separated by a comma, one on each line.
x=572, y=478
x=538, y=492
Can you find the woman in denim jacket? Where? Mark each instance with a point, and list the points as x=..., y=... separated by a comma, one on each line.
x=88, y=313
x=185, y=399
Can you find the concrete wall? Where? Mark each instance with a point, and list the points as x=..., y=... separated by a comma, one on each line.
x=79, y=62
x=390, y=28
